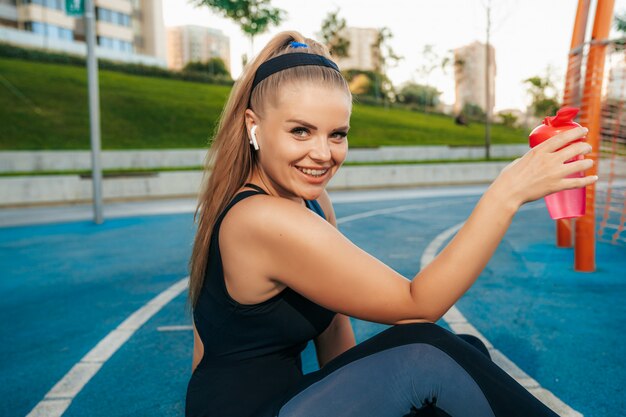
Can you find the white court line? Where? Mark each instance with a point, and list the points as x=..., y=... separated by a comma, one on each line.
x=59, y=398
x=174, y=328
x=397, y=209
x=457, y=322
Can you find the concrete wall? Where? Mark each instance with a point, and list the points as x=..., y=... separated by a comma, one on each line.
x=376, y=176
x=46, y=189
x=72, y=188
x=33, y=161
x=429, y=153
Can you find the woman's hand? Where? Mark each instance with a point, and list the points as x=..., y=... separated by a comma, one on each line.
x=542, y=170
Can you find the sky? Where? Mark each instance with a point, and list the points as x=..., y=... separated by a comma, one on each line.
x=530, y=37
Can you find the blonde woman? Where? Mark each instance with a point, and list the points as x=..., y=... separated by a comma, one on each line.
x=270, y=271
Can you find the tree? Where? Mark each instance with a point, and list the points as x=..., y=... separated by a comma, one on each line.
x=620, y=25
x=360, y=84
x=543, y=102
x=214, y=66
x=332, y=27
x=450, y=59
x=508, y=119
x=253, y=16
x=620, y=22
x=430, y=61
x=363, y=82
x=384, y=57
x=425, y=96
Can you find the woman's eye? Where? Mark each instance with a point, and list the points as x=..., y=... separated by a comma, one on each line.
x=300, y=131
x=340, y=135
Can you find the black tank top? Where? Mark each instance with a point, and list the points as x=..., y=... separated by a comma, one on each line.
x=251, y=352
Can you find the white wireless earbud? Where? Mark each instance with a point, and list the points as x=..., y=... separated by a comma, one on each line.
x=253, y=141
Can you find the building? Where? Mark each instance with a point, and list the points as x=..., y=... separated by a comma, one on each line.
x=360, y=53
x=469, y=76
x=126, y=30
x=196, y=44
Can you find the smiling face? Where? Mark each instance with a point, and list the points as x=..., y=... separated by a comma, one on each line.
x=302, y=140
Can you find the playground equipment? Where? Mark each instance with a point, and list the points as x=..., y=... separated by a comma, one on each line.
x=595, y=82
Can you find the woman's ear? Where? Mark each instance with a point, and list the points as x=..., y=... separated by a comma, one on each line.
x=251, y=119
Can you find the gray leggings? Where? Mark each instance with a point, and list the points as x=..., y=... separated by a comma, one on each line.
x=416, y=369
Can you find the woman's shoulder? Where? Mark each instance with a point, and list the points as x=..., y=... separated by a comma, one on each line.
x=258, y=215
x=261, y=207
x=262, y=226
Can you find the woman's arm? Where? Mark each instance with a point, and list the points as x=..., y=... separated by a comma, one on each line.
x=440, y=284
x=338, y=336
x=336, y=339
x=296, y=248
x=540, y=172
x=198, y=349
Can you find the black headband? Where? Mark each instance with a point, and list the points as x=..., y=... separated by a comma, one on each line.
x=290, y=60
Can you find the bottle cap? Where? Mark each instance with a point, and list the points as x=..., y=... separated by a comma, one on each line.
x=552, y=125
x=563, y=117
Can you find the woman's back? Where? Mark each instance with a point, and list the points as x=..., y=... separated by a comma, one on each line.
x=251, y=351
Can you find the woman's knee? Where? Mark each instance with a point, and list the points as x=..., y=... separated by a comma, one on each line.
x=476, y=342
x=421, y=332
x=436, y=335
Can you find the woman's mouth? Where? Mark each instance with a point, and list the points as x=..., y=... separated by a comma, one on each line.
x=314, y=175
x=313, y=172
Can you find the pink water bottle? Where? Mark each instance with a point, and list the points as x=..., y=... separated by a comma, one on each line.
x=569, y=203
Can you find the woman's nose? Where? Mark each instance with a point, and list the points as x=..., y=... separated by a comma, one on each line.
x=321, y=149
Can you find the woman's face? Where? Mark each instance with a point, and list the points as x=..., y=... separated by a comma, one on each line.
x=302, y=140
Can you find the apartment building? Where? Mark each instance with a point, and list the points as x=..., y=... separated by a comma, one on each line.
x=124, y=28
x=360, y=53
x=469, y=76
x=192, y=43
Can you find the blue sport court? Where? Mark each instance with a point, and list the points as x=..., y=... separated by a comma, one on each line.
x=95, y=322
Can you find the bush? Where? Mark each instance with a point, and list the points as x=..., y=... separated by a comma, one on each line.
x=374, y=84
x=11, y=51
x=424, y=96
x=473, y=112
x=214, y=66
x=508, y=119
x=367, y=100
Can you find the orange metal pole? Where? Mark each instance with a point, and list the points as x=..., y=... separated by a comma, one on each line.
x=585, y=249
x=571, y=97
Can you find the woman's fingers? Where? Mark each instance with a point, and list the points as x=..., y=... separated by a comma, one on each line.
x=543, y=169
x=577, y=166
x=562, y=139
x=569, y=183
x=578, y=148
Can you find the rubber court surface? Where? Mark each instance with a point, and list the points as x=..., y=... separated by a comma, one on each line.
x=66, y=285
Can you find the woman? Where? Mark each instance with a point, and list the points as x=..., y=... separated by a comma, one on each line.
x=270, y=271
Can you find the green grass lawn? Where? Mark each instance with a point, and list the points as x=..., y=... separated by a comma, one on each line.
x=44, y=106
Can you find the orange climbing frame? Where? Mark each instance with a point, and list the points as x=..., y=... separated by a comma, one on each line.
x=571, y=97
x=590, y=117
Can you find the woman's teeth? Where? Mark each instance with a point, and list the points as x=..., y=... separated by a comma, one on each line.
x=313, y=172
